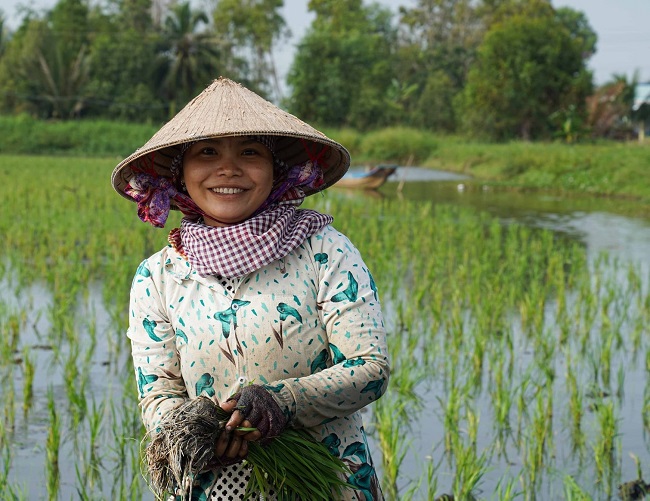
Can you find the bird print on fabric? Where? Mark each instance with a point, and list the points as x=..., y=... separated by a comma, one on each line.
x=149, y=327
x=347, y=294
x=203, y=481
x=357, y=449
x=352, y=363
x=374, y=387
x=332, y=442
x=144, y=380
x=320, y=362
x=204, y=384
x=337, y=356
x=350, y=292
x=285, y=312
x=373, y=287
x=142, y=270
x=321, y=258
x=363, y=478
x=274, y=388
x=227, y=317
x=181, y=335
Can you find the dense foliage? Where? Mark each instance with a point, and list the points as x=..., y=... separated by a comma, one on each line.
x=499, y=69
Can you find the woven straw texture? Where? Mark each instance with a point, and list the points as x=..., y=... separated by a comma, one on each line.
x=226, y=108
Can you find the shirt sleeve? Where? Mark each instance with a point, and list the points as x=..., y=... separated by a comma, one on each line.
x=153, y=348
x=354, y=371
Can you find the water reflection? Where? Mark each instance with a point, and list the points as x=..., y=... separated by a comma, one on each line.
x=619, y=227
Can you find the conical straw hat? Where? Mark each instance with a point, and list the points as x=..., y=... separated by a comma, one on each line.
x=226, y=108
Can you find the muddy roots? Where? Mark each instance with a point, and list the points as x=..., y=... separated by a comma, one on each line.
x=183, y=445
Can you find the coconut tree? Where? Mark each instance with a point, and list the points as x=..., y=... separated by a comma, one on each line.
x=191, y=58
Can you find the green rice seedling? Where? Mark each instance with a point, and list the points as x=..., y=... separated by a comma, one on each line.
x=575, y=407
x=501, y=395
x=28, y=381
x=540, y=439
x=506, y=490
x=52, y=447
x=75, y=385
x=84, y=490
x=9, y=402
x=470, y=469
x=573, y=492
x=427, y=485
x=451, y=417
x=391, y=415
x=606, y=442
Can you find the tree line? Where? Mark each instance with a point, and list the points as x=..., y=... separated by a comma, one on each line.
x=497, y=69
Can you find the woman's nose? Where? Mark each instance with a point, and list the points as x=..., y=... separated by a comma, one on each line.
x=227, y=166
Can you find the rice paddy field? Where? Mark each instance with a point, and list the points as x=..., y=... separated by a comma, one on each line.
x=520, y=364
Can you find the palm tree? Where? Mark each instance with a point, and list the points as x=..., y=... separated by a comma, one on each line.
x=191, y=56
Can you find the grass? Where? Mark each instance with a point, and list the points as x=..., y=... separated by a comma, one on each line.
x=514, y=355
x=603, y=169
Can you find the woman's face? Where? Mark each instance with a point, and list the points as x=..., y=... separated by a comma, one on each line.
x=228, y=178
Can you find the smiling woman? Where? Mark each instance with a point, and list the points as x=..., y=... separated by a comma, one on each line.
x=263, y=308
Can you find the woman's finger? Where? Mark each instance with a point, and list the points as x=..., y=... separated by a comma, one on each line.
x=222, y=443
x=233, y=448
x=235, y=421
x=243, y=450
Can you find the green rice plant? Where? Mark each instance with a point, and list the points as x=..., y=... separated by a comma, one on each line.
x=470, y=469
x=430, y=479
x=573, y=492
x=75, y=381
x=575, y=407
x=9, y=403
x=28, y=381
x=502, y=394
x=506, y=490
x=390, y=415
x=52, y=447
x=606, y=442
x=451, y=417
x=540, y=439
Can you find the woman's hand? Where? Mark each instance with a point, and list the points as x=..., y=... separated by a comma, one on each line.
x=232, y=444
x=255, y=405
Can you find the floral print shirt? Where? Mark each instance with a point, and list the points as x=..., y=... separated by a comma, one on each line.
x=308, y=326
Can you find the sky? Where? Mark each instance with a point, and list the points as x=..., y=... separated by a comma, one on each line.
x=623, y=28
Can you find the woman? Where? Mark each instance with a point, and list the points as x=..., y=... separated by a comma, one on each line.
x=260, y=306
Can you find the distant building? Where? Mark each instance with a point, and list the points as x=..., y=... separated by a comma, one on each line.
x=641, y=108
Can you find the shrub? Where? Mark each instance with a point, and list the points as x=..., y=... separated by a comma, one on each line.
x=399, y=145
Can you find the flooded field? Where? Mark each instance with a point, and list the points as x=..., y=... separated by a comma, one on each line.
x=517, y=328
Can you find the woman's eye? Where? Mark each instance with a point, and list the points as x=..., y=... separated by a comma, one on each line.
x=208, y=151
x=249, y=151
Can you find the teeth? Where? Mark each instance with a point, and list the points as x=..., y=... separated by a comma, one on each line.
x=226, y=191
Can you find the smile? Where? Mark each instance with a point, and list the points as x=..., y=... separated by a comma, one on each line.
x=226, y=191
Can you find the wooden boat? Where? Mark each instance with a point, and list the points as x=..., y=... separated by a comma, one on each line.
x=369, y=180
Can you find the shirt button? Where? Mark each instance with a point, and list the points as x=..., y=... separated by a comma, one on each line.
x=242, y=380
x=234, y=307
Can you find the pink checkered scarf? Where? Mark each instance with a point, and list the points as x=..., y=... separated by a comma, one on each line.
x=234, y=251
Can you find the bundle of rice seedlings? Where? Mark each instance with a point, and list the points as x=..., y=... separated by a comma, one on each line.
x=293, y=465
